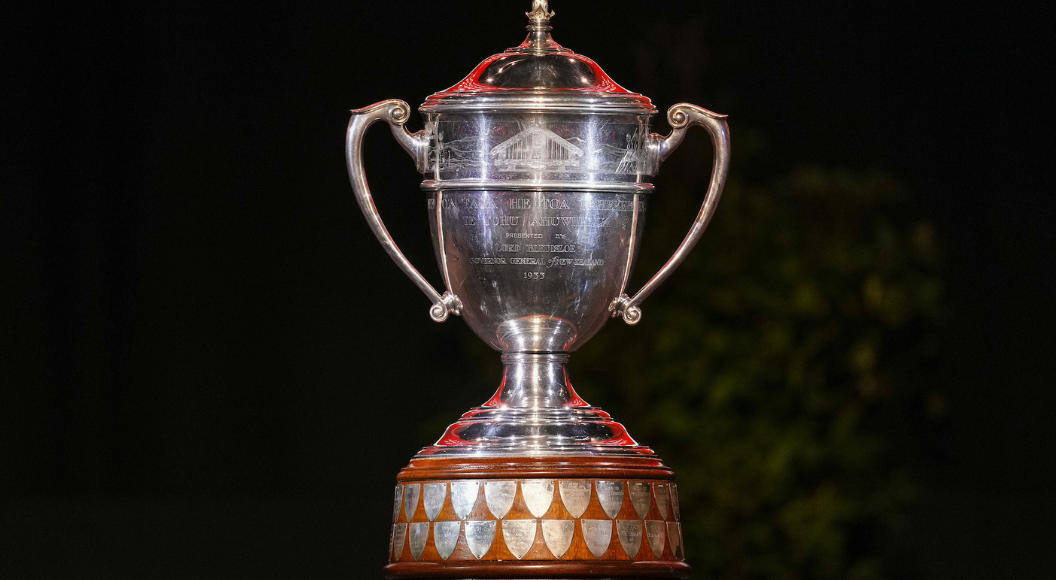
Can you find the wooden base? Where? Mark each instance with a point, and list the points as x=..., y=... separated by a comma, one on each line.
x=560, y=517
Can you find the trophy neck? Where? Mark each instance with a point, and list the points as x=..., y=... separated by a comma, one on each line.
x=535, y=381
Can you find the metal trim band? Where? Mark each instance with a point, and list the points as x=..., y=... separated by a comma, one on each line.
x=499, y=185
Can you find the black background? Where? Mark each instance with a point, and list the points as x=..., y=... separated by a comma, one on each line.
x=211, y=370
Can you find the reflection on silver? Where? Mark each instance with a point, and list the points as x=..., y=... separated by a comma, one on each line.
x=410, y=499
x=519, y=536
x=500, y=495
x=598, y=535
x=538, y=495
x=611, y=495
x=630, y=534
x=575, y=494
x=674, y=502
x=656, y=532
x=396, y=504
x=433, y=498
x=479, y=536
x=660, y=491
x=399, y=536
x=640, y=497
x=558, y=535
x=445, y=536
x=419, y=535
x=674, y=535
x=463, y=496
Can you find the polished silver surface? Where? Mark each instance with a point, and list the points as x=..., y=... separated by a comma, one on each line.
x=519, y=536
x=399, y=536
x=479, y=537
x=673, y=492
x=575, y=495
x=445, y=536
x=598, y=535
x=418, y=533
x=660, y=492
x=656, y=533
x=410, y=499
x=674, y=537
x=538, y=495
x=396, y=503
x=499, y=496
x=538, y=170
x=557, y=534
x=630, y=534
x=610, y=493
x=464, y=496
x=433, y=498
x=641, y=497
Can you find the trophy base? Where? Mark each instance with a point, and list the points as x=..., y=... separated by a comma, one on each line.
x=541, y=517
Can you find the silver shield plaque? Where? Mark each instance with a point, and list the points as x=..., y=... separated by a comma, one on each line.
x=500, y=495
x=538, y=495
x=641, y=497
x=673, y=491
x=479, y=536
x=419, y=535
x=433, y=496
x=630, y=534
x=396, y=504
x=611, y=495
x=519, y=536
x=575, y=494
x=674, y=536
x=656, y=533
x=410, y=499
x=399, y=536
x=463, y=496
x=558, y=535
x=445, y=536
x=597, y=534
x=660, y=491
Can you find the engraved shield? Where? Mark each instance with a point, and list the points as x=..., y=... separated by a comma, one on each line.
x=463, y=496
x=499, y=495
x=630, y=534
x=519, y=536
x=410, y=499
x=433, y=495
x=660, y=491
x=445, y=536
x=575, y=494
x=656, y=533
x=640, y=497
x=558, y=535
x=396, y=504
x=597, y=534
x=611, y=495
x=479, y=536
x=399, y=536
x=538, y=495
x=419, y=535
x=673, y=491
x=674, y=535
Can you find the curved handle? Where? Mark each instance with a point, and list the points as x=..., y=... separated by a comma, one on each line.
x=396, y=114
x=683, y=116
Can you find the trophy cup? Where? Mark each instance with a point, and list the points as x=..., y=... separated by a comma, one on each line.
x=537, y=169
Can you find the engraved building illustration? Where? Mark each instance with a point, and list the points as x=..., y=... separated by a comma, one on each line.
x=536, y=148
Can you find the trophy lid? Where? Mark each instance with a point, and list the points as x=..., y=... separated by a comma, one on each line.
x=539, y=74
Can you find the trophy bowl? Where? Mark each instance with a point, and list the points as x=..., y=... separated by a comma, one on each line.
x=537, y=173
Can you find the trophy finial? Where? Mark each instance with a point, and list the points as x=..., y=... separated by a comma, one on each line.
x=540, y=14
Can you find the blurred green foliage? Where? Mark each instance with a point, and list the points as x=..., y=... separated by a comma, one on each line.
x=782, y=371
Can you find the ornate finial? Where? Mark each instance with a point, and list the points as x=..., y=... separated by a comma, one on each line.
x=540, y=14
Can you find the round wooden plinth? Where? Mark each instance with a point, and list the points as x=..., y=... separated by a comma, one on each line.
x=553, y=518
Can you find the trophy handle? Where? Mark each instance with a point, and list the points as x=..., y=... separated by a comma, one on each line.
x=681, y=117
x=396, y=113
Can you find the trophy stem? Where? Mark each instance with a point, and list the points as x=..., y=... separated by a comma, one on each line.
x=535, y=381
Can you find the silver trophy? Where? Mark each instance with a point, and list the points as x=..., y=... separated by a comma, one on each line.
x=537, y=181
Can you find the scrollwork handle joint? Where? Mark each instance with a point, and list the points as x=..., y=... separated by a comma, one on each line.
x=625, y=308
x=449, y=304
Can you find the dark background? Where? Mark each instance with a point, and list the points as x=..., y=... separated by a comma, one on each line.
x=211, y=370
